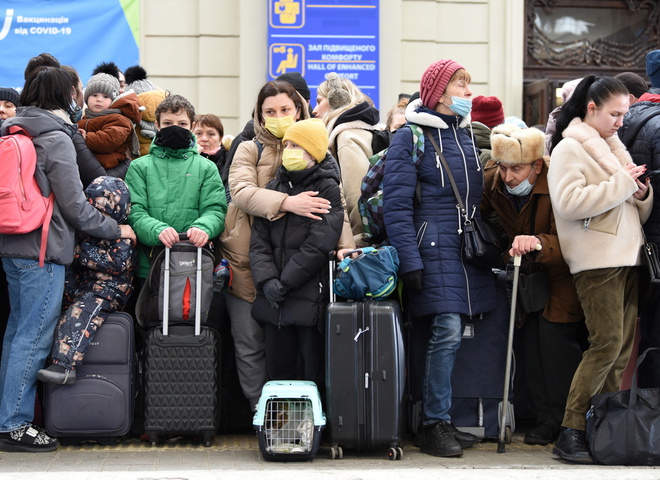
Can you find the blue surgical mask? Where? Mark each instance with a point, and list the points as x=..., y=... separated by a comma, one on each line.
x=460, y=106
x=523, y=189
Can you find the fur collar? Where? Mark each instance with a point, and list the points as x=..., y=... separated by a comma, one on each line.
x=609, y=153
x=413, y=115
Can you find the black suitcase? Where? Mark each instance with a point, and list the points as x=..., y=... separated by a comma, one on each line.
x=100, y=405
x=478, y=375
x=365, y=376
x=181, y=375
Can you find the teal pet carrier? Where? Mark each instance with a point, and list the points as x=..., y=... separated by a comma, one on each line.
x=289, y=420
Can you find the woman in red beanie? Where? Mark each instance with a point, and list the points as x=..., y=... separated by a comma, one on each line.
x=428, y=236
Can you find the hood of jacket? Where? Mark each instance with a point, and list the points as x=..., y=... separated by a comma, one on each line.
x=417, y=113
x=110, y=195
x=362, y=112
x=128, y=105
x=37, y=121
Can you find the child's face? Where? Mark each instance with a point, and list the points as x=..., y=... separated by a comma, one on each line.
x=7, y=109
x=180, y=119
x=97, y=102
x=311, y=161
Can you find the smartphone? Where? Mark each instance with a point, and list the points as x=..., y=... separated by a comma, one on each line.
x=648, y=174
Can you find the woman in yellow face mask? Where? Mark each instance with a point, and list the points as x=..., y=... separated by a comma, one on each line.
x=255, y=163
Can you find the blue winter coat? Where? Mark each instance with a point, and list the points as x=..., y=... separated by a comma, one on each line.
x=640, y=133
x=427, y=236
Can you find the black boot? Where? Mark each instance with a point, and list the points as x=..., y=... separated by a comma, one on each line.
x=57, y=374
x=571, y=446
x=542, y=434
x=439, y=441
x=466, y=440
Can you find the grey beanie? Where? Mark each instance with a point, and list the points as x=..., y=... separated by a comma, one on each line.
x=102, y=83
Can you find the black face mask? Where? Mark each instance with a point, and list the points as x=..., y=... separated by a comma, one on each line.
x=174, y=137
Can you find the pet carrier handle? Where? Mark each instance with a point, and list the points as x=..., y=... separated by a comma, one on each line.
x=198, y=291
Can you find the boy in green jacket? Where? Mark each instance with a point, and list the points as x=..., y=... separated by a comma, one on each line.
x=173, y=188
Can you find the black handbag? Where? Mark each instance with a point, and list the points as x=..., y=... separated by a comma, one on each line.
x=649, y=255
x=481, y=247
x=622, y=427
x=533, y=287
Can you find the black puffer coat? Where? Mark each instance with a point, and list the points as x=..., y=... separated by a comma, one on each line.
x=640, y=134
x=295, y=249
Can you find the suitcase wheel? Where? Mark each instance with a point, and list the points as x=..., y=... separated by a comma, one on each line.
x=336, y=452
x=395, y=453
x=208, y=440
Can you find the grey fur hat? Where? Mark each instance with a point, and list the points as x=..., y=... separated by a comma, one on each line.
x=102, y=83
x=337, y=96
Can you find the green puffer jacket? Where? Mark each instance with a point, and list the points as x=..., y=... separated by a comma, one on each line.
x=173, y=188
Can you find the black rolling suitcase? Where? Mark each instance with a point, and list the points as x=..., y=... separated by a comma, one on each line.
x=100, y=405
x=365, y=376
x=181, y=374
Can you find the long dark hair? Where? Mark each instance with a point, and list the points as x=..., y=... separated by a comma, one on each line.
x=275, y=87
x=591, y=89
x=48, y=88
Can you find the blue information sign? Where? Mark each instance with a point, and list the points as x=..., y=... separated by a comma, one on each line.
x=79, y=33
x=316, y=37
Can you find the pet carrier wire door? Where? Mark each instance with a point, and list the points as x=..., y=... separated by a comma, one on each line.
x=289, y=420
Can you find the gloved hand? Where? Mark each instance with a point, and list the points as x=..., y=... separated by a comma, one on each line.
x=274, y=291
x=413, y=280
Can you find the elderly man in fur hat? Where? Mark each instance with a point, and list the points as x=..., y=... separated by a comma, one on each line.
x=516, y=189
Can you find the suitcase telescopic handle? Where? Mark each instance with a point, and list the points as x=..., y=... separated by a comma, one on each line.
x=331, y=289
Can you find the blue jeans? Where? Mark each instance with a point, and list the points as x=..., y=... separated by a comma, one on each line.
x=35, y=296
x=446, y=333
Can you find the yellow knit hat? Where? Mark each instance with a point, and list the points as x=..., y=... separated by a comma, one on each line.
x=311, y=136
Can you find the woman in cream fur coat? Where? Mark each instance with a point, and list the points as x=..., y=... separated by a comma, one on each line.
x=599, y=207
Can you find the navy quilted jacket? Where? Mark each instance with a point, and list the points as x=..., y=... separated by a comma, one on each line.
x=427, y=236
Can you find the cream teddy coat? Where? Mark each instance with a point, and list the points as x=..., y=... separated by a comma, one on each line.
x=598, y=219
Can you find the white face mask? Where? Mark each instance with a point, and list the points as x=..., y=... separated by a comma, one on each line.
x=523, y=188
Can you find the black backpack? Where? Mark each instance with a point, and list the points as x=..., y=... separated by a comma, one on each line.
x=380, y=140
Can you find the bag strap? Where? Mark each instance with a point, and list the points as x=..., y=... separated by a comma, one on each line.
x=44, y=229
x=441, y=157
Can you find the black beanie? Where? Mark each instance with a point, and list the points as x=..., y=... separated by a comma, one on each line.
x=298, y=82
x=10, y=95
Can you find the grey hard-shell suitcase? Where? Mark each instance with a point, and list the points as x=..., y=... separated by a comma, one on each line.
x=181, y=374
x=100, y=405
x=365, y=376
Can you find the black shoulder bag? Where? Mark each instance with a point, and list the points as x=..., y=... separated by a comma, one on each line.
x=481, y=246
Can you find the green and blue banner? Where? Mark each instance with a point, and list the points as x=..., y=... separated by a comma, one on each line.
x=316, y=37
x=79, y=33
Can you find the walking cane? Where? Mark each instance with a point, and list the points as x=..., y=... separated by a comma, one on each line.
x=509, y=352
x=509, y=347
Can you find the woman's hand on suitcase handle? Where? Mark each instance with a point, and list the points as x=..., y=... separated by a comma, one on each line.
x=197, y=236
x=523, y=244
x=169, y=236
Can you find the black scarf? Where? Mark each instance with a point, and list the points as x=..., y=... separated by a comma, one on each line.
x=174, y=137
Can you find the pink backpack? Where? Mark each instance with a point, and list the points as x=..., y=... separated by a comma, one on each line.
x=23, y=208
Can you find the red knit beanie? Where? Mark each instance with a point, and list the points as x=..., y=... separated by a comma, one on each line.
x=434, y=81
x=487, y=110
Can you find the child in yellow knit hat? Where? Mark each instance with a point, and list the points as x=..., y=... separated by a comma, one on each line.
x=289, y=258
